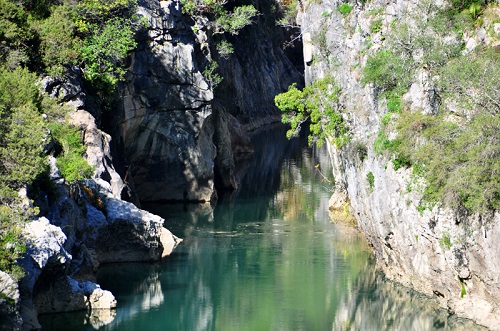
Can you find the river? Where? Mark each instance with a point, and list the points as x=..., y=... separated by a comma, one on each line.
x=267, y=257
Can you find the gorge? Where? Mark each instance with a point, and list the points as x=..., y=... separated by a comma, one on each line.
x=184, y=130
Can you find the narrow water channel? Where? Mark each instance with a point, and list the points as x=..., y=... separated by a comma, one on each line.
x=266, y=258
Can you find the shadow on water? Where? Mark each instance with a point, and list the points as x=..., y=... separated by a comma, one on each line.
x=266, y=259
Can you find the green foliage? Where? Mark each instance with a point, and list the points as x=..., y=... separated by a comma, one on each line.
x=387, y=71
x=460, y=163
x=222, y=19
x=11, y=241
x=463, y=291
x=224, y=48
x=345, y=9
x=318, y=103
x=23, y=129
x=59, y=46
x=370, y=179
x=466, y=4
x=71, y=163
x=50, y=36
x=474, y=9
x=104, y=52
x=461, y=78
x=22, y=135
x=233, y=22
x=376, y=25
x=15, y=35
x=108, y=29
x=445, y=241
x=211, y=76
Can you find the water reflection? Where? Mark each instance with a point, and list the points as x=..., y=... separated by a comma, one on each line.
x=267, y=259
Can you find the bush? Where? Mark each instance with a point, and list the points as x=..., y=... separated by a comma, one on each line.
x=318, y=103
x=472, y=81
x=108, y=30
x=22, y=129
x=233, y=22
x=388, y=71
x=12, y=245
x=370, y=178
x=459, y=162
x=103, y=54
x=59, y=46
x=71, y=162
x=345, y=9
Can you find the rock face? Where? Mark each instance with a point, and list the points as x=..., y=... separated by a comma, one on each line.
x=263, y=65
x=441, y=253
x=175, y=141
x=46, y=288
x=81, y=226
x=9, y=303
x=62, y=259
x=163, y=112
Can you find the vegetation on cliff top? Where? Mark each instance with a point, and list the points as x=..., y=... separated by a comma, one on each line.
x=223, y=19
x=40, y=37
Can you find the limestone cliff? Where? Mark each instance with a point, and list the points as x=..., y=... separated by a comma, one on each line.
x=166, y=124
x=442, y=253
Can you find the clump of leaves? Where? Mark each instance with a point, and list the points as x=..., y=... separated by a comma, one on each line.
x=318, y=103
x=370, y=179
x=345, y=9
x=107, y=29
x=71, y=162
x=388, y=71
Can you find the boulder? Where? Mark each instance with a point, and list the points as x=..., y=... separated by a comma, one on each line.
x=132, y=234
x=9, y=303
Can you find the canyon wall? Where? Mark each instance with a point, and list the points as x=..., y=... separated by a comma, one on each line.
x=443, y=253
x=167, y=125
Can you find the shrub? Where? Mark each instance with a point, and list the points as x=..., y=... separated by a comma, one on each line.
x=12, y=245
x=376, y=25
x=370, y=178
x=103, y=54
x=22, y=129
x=345, y=9
x=459, y=162
x=318, y=103
x=472, y=81
x=387, y=71
x=233, y=22
x=71, y=162
x=59, y=46
x=445, y=241
x=225, y=49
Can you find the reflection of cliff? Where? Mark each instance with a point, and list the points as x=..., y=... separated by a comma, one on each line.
x=377, y=304
x=144, y=289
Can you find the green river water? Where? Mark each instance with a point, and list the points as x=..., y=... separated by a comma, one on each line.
x=268, y=257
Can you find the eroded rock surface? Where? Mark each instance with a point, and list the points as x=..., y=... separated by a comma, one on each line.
x=163, y=111
x=443, y=253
